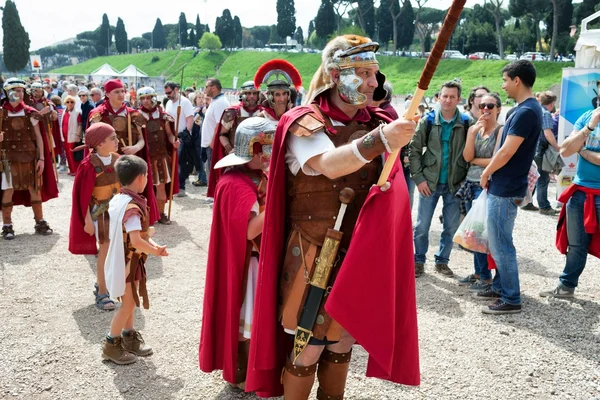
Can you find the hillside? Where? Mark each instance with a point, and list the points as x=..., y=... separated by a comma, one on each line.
x=403, y=73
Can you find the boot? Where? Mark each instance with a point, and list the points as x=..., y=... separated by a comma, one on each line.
x=41, y=226
x=297, y=381
x=333, y=370
x=242, y=363
x=113, y=350
x=163, y=217
x=134, y=343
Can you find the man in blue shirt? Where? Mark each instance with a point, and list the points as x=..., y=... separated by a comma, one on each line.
x=506, y=180
x=584, y=140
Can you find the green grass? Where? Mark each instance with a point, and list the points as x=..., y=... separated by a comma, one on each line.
x=403, y=73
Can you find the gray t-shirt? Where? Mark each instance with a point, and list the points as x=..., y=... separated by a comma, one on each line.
x=484, y=148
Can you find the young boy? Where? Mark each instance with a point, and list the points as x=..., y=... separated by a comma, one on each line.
x=130, y=243
x=95, y=184
x=232, y=272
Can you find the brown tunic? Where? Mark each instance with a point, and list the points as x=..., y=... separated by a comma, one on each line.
x=160, y=158
x=20, y=149
x=313, y=204
x=106, y=186
x=135, y=260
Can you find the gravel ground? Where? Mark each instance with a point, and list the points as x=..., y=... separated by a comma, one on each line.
x=51, y=333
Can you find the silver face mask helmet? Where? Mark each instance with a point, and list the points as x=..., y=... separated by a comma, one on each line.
x=12, y=83
x=347, y=62
x=248, y=87
x=249, y=133
x=145, y=92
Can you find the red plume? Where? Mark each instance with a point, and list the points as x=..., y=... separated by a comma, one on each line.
x=278, y=65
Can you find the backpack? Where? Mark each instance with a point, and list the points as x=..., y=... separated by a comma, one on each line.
x=430, y=117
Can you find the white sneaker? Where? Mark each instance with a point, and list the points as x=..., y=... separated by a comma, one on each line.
x=181, y=193
x=62, y=168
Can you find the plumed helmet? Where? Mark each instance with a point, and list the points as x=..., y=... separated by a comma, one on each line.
x=250, y=133
x=12, y=83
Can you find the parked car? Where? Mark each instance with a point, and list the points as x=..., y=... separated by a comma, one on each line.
x=533, y=56
x=511, y=57
x=454, y=54
x=494, y=57
x=477, y=56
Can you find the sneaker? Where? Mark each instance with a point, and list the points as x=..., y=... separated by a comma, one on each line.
x=486, y=295
x=480, y=286
x=419, y=269
x=199, y=183
x=559, y=292
x=181, y=193
x=500, y=307
x=467, y=280
x=443, y=269
x=164, y=219
x=208, y=200
x=530, y=207
x=42, y=228
x=548, y=211
x=62, y=168
x=7, y=232
x=134, y=343
x=113, y=350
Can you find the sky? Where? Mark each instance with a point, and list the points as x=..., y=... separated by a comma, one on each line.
x=48, y=23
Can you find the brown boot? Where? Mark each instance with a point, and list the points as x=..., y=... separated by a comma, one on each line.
x=297, y=381
x=164, y=219
x=242, y=363
x=333, y=370
x=41, y=226
x=116, y=353
x=134, y=343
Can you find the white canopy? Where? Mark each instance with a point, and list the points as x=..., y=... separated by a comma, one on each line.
x=588, y=45
x=133, y=71
x=105, y=70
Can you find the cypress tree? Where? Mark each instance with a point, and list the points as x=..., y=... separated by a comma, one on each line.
x=15, y=41
x=286, y=18
x=120, y=37
x=104, y=40
x=159, y=36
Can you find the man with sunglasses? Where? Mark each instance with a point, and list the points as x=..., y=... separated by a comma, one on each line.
x=438, y=172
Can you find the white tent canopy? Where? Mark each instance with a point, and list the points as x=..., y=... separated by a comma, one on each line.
x=588, y=45
x=105, y=70
x=133, y=71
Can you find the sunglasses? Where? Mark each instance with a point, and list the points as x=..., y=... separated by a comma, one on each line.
x=168, y=93
x=489, y=106
x=69, y=102
x=83, y=95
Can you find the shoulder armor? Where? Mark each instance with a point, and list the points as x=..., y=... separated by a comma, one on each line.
x=306, y=125
x=229, y=115
x=138, y=119
x=95, y=117
x=168, y=118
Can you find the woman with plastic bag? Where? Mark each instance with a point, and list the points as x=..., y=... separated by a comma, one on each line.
x=482, y=140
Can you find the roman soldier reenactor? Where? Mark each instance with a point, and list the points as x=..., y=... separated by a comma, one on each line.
x=340, y=247
x=46, y=108
x=230, y=120
x=159, y=133
x=127, y=123
x=27, y=175
x=282, y=91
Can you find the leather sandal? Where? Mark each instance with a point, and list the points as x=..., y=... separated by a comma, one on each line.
x=104, y=302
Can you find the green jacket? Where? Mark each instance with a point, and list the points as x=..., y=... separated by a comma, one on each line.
x=426, y=158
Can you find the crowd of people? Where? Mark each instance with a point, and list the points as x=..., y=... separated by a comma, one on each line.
x=297, y=204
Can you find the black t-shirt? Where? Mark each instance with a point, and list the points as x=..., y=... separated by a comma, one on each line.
x=526, y=122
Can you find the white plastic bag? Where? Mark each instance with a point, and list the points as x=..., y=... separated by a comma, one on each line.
x=532, y=178
x=472, y=234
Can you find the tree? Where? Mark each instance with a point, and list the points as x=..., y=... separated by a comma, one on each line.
x=183, y=27
x=238, y=32
x=139, y=43
x=535, y=9
x=299, y=36
x=559, y=26
x=199, y=28
x=584, y=10
x=105, y=35
x=406, y=27
x=340, y=7
x=224, y=28
x=120, y=37
x=15, y=41
x=495, y=7
x=260, y=35
x=274, y=36
x=286, y=18
x=159, y=36
x=324, y=22
x=311, y=28
x=426, y=21
x=365, y=13
x=210, y=41
x=384, y=21
x=395, y=12
x=192, y=37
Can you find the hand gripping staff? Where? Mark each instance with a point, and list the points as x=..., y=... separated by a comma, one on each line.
x=426, y=75
x=174, y=153
x=51, y=141
x=320, y=279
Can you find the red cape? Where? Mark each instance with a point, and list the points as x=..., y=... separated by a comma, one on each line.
x=218, y=153
x=144, y=153
x=383, y=318
x=83, y=186
x=590, y=220
x=234, y=197
x=49, y=185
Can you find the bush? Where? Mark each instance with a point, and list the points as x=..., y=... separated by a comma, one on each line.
x=155, y=59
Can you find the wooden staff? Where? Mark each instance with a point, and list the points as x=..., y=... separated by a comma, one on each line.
x=174, y=153
x=51, y=145
x=426, y=75
x=129, y=135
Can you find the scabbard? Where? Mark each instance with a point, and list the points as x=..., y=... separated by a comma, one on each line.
x=102, y=207
x=324, y=264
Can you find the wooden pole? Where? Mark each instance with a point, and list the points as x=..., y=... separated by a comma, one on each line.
x=129, y=135
x=174, y=153
x=430, y=67
x=50, y=144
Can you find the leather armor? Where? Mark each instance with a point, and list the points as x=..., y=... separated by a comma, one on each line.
x=21, y=150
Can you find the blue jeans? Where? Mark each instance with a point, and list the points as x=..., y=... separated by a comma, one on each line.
x=207, y=156
x=479, y=259
x=578, y=239
x=541, y=188
x=451, y=215
x=502, y=212
x=411, y=186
